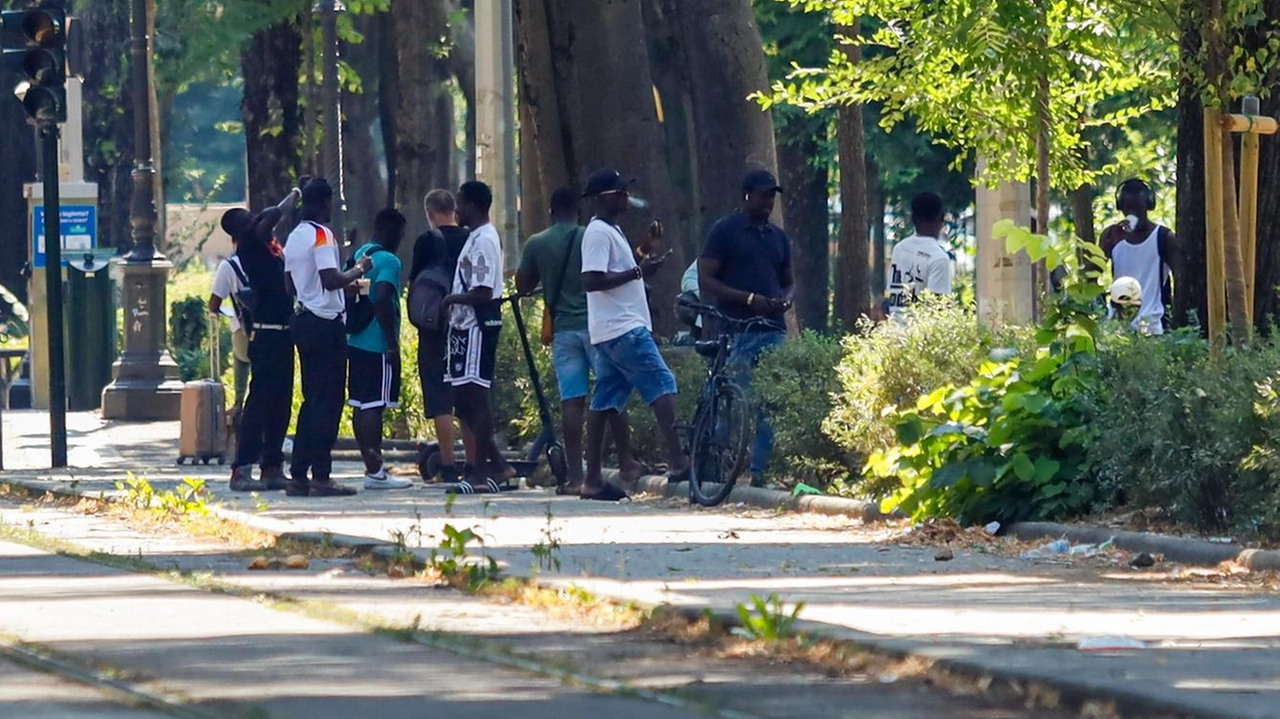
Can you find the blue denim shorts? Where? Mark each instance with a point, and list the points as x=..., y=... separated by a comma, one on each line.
x=626, y=363
x=574, y=359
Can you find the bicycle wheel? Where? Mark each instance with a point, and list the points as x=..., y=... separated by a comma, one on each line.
x=721, y=434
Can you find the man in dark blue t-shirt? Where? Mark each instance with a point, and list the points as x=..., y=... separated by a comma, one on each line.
x=745, y=269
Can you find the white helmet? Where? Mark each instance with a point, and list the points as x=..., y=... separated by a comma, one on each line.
x=1126, y=291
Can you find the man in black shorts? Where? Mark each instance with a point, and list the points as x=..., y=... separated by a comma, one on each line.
x=438, y=247
x=373, y=359
x=475, y=319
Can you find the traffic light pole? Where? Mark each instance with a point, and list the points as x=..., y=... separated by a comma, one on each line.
x=53, y=290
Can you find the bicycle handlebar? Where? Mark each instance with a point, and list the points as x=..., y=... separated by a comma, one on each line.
x=711, y=311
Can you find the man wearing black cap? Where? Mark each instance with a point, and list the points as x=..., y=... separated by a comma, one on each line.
x=745, y=269
x=266, y=412
x=621, y=330
x=312, y=260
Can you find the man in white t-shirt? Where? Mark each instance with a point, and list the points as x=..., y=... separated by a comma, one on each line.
x=226, y=283
x=475, y=320
x=920, y=263
x=312, y=259
x=627, y=358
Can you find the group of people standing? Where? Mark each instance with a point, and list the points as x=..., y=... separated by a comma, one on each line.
x=299, y=296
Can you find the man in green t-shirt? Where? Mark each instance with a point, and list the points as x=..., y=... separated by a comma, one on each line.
x=553, y=258
x=373, y=367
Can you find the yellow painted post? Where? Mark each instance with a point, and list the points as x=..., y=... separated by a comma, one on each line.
x=1249, y=148
x=1215, y=252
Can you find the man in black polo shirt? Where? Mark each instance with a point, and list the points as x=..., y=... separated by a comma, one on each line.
x=745, y=269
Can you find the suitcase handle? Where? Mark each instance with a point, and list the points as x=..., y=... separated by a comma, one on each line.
x=215, y=347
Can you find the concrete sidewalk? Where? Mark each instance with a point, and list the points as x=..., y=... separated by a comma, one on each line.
x=1211, y=651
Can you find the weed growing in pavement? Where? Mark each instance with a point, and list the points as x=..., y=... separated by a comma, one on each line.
x=769, y=621
x=547, y=550
x=188, y=499
x=259, y=504
x=449, y=561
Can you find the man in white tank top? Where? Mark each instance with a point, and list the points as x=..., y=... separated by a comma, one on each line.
x=1143, y=250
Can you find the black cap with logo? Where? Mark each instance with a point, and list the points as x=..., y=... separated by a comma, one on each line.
x=605, y=182
x=760, y=180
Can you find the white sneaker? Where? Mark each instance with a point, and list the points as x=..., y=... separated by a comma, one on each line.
x=382, y=480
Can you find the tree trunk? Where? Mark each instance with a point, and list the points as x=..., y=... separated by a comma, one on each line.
x=1190, y=299
x=420, y=157
x=852, y=293
x=1082, y=213
x=108, y=118
x=1238, y=320
x=669, y=65
x=366, y=190
x=804, y=207
x=604, y=97
x=461, y=63
x=875, y=208
x=270, y=110
x=1266, y=304
x=311, y=95
x=388, y=99
x=725, y=57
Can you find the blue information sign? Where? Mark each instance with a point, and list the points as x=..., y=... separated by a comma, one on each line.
x=79, y=231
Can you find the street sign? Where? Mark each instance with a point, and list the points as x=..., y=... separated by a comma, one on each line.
x=79, y=231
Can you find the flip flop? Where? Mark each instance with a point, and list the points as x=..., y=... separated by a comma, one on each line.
x=607, y=493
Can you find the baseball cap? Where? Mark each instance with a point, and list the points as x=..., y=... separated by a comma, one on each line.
x=235, y=221
x=604, y=182
x=760, y=180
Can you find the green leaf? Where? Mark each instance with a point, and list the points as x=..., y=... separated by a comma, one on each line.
x=910, y=430
x=1023, y=467
x=1046, y=469
x=947, y=475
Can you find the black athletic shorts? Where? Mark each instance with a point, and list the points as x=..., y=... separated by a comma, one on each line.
x=473, y=354
x=373, y=379
x=433, y=362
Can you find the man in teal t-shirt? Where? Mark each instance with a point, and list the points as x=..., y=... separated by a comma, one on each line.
x=373, y=366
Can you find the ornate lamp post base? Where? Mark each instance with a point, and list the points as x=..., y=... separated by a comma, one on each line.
x=145, y=384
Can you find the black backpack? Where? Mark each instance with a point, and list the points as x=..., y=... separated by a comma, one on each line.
x=360, y=309
x=245, y=299
x=428, y=289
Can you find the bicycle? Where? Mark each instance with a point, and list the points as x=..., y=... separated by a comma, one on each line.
x=719, y=439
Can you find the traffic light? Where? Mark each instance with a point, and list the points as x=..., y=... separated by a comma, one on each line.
x=43, y=62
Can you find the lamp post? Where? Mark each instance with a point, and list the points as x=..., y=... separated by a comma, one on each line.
x=145, y=384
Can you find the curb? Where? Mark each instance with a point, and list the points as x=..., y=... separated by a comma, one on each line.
x=764, y=498
x=1080, y=692
x=1196, y=552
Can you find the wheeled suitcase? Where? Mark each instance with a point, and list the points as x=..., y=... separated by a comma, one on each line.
x=204, y=432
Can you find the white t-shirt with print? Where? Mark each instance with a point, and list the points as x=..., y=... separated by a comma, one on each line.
x=479, y=265
x=227, y=284
x=612, y=313
x=919, y=264
x=311, y=248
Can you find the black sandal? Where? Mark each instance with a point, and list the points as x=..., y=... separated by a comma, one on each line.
x=607, y=493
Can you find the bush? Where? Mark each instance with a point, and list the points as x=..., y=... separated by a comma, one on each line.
x=889, y=366
x=1012, y=444
x=189, y=338
x=795, y=383
x=514, y=404
x=1194, y=436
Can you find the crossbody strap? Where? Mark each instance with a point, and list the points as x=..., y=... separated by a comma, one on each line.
x=564, y=268
x=239, y=271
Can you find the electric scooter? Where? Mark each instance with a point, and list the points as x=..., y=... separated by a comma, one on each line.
x=547, y=444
